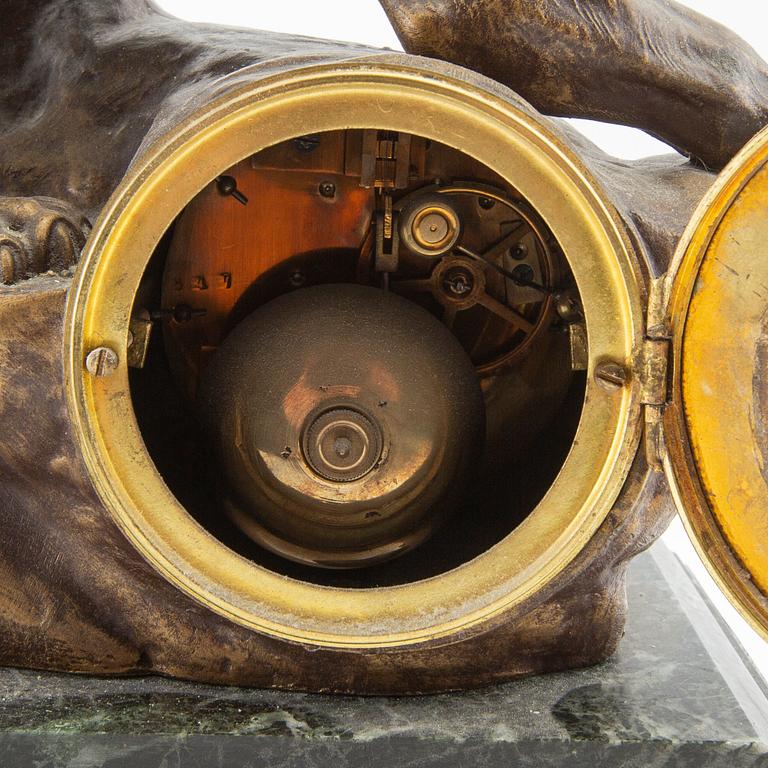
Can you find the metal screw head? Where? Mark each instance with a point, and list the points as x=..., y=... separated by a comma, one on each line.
x=297, y=278
x=101, y=361
x=519, y=252
x=307, y=143
x=226, y=185
x=486, y=203
x=611, y=376
x=567, y=307
x=523, y=273
x=327, y=189
x=458, y=282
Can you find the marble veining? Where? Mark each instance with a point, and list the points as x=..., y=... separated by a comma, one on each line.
x=661, y=701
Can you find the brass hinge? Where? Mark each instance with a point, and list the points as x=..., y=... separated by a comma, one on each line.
x=654, y=437
x=654, y=391
x=653, y=371
x=653, y=367
x=658, y=296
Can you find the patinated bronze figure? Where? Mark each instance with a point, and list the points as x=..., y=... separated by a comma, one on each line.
x=370, y=378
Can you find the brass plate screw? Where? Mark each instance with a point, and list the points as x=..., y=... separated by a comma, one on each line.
x=486, y=203
x=101, y=361
x=327, y=189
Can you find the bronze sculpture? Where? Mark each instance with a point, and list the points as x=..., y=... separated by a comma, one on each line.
x=109, y=566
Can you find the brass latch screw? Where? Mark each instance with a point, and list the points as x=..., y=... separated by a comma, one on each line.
x=611, y=376
x=101, y=361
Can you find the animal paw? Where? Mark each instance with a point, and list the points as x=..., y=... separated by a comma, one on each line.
x=38, y=234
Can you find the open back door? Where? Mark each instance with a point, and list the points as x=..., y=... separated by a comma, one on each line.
x=716, y=428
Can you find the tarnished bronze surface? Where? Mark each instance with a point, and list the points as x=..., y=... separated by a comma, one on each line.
x=653, y=64
x=101, y=97
x=38, y=235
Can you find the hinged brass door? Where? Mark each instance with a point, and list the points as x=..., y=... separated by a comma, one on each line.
x=715, y=427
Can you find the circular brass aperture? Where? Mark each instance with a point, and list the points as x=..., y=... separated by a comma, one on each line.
x=342, y=444
x=506, y=136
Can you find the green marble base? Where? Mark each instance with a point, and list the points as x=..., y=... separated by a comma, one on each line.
x=678, y=693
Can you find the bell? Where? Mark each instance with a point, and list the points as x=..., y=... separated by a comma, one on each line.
x=347, y=420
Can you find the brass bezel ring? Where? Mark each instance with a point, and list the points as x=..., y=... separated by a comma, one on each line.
x=427, y=99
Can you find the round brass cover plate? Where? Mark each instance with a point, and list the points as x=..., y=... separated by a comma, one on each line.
x=388, y=92
x=716, y=428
